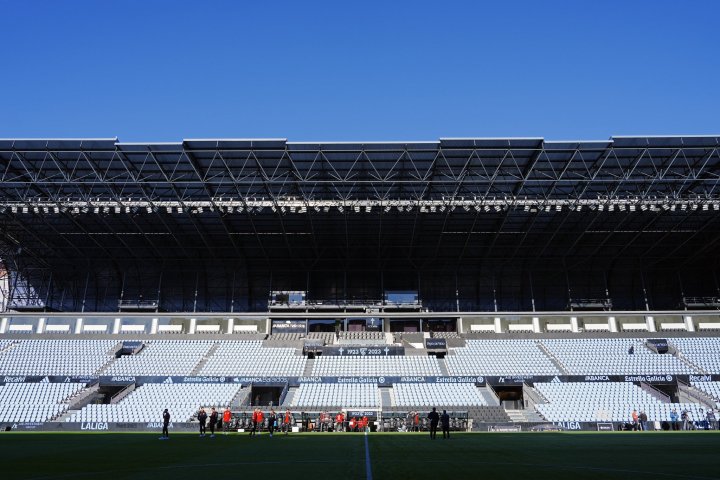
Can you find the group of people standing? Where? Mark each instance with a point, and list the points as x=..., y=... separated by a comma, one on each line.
x=443, y=419
x=203, y=418
x=275, y=422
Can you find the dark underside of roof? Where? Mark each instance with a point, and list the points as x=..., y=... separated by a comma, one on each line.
x=525, y=191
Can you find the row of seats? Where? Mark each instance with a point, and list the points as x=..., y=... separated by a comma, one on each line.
x=354, y=395
x=35, y=402
x=385, y=366
x=712, y=389
x=604, y=402
x=56, y=357
x=146, y=403
x=500, y=357
x=435, y=395
x=162, y=357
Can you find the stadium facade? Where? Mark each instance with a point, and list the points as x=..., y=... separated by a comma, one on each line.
x=518, y=281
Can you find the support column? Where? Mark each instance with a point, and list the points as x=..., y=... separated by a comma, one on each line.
x=498, y=325
x=40, y=326
x=612, y=324
x=193, y=323
x=3, y=325
x=78, y=326
x=650, y=324
x=460, y=327
x=574, y=325
x=154, y=326
x=536, y=324
x=230, y=326
x=689, y=325
x=116, y=326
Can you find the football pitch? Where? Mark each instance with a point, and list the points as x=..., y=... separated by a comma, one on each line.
x=356, y=456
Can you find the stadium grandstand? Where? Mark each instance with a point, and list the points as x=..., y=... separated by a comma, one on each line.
x=516, y=282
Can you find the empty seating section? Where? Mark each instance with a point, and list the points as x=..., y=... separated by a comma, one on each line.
x=500, y=357
x=362, y=335
x=251, y=358
x=147, y=402
x=332, y=366
x=703, y=352
x=436, y=395
x=610, y=356
x=162, y=357
x=446, y=335
x=710, y=388
x=343, y=395
x=327, y=337
x=55, y=357
x=286, y=336
x=35, y=402
x=604, y=402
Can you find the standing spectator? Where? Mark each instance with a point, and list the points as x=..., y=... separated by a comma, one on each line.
x=416, y=422
x=445, y=421
x=339, y=421
x=687, y=420
x=260, y=420
x=287, y=421
x=434, y=419
x=272, y=422
x=364, y=423
x=643, y=421
x=202, y=419
x=353, y=422
x=635, y=419
x=674, y=420
x=254, y=422
x=213, y=422
x=166, y=422
x=712, y=421
x=227, y=418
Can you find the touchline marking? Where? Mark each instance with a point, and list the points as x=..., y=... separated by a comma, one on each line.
x=368, y=467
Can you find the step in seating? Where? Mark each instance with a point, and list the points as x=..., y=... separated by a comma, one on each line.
x=703, y=352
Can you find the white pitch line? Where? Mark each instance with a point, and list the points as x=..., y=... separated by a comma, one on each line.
x=368, y=467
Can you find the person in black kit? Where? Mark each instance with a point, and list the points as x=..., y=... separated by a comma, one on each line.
x=213, y=422
x=445, y=421
x=202, y=418
x=166, y=422
x=272, y=421
x=434, y=419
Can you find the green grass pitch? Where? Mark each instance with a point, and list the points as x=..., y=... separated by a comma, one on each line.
x=636, y=455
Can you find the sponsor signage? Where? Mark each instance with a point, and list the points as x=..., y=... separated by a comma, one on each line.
x=364, y=351
x=436, y=344
x=605, y=427
x=27, y=426
x=660, y=344
x=370, y=414
x=288, y=326
x=5, y=379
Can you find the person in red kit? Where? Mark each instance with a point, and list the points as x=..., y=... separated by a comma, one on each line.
x=227, y=417
x=339, y=422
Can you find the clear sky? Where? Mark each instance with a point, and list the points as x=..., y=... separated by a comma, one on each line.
x=166, y=70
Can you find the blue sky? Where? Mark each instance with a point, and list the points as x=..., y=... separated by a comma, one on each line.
x=167, y=70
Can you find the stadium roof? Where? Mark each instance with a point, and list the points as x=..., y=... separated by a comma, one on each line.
x=453, y=201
